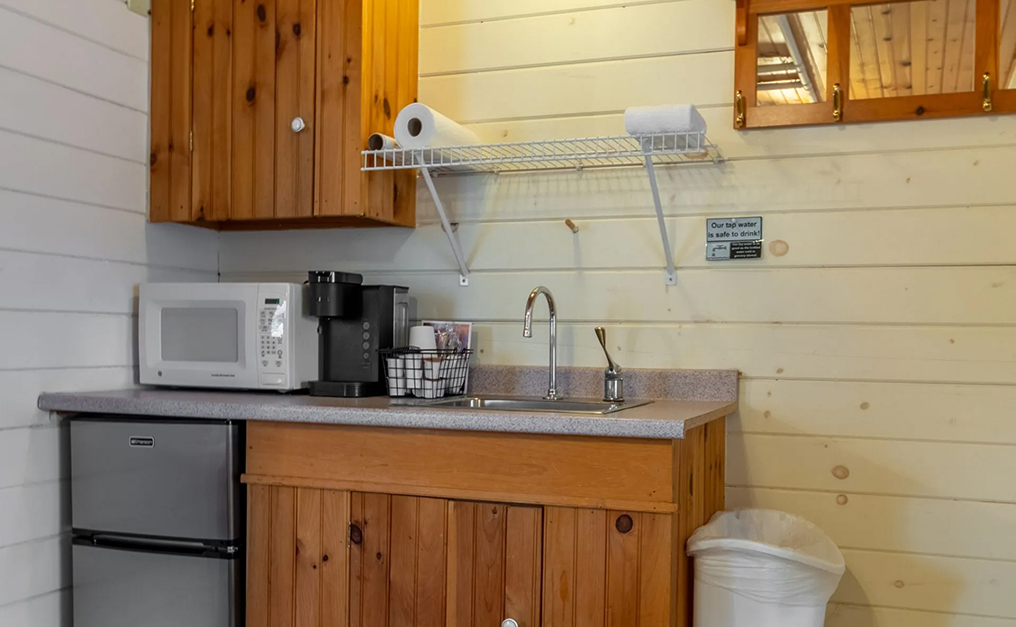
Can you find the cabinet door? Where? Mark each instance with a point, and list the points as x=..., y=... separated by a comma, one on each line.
x=607, y=568
x=273, y=87
x=424, y=562
x=297, y=557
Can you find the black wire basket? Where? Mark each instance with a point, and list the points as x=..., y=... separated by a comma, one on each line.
x=427, y=374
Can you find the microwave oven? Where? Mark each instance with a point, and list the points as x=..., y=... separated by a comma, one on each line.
x=252, y=336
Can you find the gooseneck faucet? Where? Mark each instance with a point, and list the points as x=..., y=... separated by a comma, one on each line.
x=527, y=331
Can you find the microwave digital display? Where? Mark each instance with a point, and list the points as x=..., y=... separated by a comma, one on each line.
x=273, y=301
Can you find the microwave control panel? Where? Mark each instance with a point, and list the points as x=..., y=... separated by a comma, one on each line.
x=273, y=349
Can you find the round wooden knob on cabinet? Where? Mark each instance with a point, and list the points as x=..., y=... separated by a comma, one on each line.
x=509, y=622
x=624, y=523
x=298, y=125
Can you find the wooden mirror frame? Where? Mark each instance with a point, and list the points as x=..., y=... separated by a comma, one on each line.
x=840, y=108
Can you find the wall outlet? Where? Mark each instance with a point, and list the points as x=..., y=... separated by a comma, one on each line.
x=141, y=7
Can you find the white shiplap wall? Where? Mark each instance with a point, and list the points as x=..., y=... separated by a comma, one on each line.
x=881, y=341
x=74, y=243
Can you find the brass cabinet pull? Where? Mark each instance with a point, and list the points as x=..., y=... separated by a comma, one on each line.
x=837, y=103
x=739, y=107
x=987, y=92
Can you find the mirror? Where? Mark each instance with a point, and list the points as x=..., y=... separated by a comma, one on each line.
x=1007, y=45
x=792, y=61
x=912, y=48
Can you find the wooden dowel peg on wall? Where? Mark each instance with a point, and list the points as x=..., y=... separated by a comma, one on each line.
x=571, y=225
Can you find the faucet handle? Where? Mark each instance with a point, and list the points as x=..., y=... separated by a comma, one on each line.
x=601, y=334
x=613, y=381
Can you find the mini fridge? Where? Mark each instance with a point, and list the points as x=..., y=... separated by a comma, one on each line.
x=158, y=517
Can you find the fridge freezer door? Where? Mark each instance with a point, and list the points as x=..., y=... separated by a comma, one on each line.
x=146, y=477
x=117, y=588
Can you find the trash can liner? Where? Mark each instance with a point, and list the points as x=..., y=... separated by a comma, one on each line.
x=767, y=556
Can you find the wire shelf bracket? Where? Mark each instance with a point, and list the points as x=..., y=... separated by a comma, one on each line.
x=648, y=151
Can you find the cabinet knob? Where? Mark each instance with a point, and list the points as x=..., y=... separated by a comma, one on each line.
x=510, y=622
x=298, y=125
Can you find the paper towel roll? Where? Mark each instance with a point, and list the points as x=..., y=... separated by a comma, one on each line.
x=683, y=118
x=380, y=141
x=419, y=126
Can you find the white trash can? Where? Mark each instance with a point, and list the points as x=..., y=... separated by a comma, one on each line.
x=763, y=568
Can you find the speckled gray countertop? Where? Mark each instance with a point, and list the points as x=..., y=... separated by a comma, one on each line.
x=682, y=401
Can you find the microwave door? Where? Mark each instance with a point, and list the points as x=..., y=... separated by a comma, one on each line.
x=191, y=341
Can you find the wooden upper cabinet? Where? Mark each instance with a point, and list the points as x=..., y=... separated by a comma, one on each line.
x=260, y=109
x=836, y=61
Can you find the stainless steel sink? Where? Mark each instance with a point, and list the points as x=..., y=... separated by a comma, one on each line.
x=524, y=403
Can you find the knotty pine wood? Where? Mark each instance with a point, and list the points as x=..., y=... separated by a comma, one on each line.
x=596, y=471
x=212, y=110
x=296, y=53
x=169, y=162
x=346, y=68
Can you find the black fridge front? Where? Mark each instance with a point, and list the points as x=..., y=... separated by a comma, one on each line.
x=158, y=521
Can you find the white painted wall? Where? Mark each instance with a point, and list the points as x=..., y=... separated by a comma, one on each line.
x=883, y=341
x=74, y=243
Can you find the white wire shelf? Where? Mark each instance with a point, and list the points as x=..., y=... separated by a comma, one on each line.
x=557, y=154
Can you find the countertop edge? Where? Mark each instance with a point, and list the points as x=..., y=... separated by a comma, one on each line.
x=610, y=425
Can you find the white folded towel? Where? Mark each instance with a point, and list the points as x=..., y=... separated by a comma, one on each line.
x=682, y=118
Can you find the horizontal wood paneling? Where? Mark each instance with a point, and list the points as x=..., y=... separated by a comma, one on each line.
x=36, y=107
x=953, y=133
x=583, y=88
x=749, y=187
x=835, y=238
x=81, y=284
x=891, y=523
x=979, y=295
x=53, y=608
x=840, y=615
x=880, y=410
x=20, y=389
x=48, y=169
x=33, y=455
x=32, y=47
x=444, y=11
x=924, y=582
x=60, y=340
x=578, y=37
x=34, y=510
x=34, y=568
x=57, y=227
x=100, y=21
x=933, y=469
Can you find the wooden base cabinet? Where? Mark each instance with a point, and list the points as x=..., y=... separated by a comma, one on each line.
x=324, y=552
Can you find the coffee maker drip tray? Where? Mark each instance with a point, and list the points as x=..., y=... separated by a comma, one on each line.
x=346, y=389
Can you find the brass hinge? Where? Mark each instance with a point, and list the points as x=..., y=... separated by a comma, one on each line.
x=192, y=5
x=192, y=141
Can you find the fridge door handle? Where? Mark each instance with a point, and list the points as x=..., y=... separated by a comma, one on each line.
x=127, y=543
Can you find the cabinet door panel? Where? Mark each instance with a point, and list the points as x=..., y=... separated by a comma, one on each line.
x=606, y=568
x=297, y=560
x=523, y=574
x=295, y=81
x=494, y=565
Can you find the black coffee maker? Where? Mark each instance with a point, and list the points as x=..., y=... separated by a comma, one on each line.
x=355, y=322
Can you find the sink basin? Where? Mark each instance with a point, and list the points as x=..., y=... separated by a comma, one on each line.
x=524, y=403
